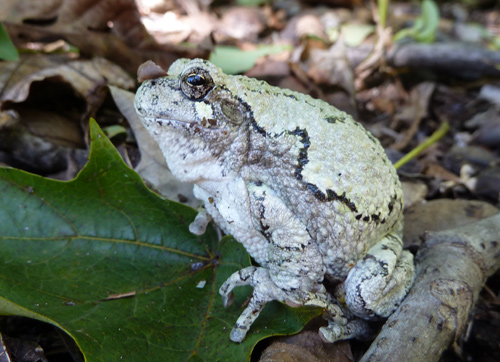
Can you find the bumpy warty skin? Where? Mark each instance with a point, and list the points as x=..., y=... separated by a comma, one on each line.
x=305, y=188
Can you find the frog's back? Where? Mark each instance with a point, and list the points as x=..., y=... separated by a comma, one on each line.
x=335, y=175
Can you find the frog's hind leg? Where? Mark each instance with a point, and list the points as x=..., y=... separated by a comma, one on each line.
x=379, y=282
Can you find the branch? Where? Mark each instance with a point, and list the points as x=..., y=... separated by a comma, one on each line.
x=452, y=267
x=458, y=60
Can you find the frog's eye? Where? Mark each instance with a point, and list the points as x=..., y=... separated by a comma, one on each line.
x=195, y=80
x=196, y=84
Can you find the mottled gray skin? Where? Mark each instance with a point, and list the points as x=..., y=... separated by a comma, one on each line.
x=305, y=188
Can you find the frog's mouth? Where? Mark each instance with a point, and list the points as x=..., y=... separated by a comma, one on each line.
x=196, y=127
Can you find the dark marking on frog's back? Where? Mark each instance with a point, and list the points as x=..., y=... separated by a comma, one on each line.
x=390, y=206
x=302, y=160
x=335, y=119
x=331, y=196
x=373, y=139
x=256, y=127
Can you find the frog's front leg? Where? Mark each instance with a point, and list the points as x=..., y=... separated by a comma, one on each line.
x=265, y=290
x=294, y=269
x=379, y=282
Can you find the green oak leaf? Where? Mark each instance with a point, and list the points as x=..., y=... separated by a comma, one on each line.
x=114, y=265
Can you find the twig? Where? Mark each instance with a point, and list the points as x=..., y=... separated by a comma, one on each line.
x=375, y=59
x=452, y=267
x=455, y=60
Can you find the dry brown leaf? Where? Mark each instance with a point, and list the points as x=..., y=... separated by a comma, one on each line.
x=415, y=111
x=306, y=346
x=81, y=75
x=241, y=23
x=49, y=100
x=152, y=167
x=108, y=28
x=414, y=193
x=21, y=148
x=386, y=98
x=150, y=70
x=331, y=68
x=437, y=171
x=443, y=214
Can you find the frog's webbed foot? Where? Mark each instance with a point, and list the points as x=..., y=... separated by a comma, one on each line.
x=341, y=325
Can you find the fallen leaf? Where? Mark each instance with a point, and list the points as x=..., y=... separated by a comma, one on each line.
x=152, y=166
x=67, y=247
x=442, y=214
x=355, y=34
x=109, y=28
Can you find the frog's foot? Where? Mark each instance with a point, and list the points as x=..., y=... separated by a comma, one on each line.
x=356, y=328
x=378, y=283
x=265, y=290
x=342, y=324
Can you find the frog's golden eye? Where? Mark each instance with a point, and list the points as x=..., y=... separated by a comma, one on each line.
x=196, y=83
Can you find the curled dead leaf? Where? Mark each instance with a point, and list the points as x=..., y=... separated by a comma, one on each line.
x=150, y=70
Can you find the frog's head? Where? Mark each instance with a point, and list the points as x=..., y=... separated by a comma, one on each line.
x=199, y=124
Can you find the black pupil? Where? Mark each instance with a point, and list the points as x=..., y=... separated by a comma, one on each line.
x=195, y=80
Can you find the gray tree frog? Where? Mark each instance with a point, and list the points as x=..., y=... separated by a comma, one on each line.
x=306, y=189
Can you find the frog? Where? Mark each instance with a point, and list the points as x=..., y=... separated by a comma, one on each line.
x=307, y=190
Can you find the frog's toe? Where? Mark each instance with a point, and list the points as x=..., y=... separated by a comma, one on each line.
x=249, y=315
x=227, y=299
x=245, y=276
x=264, y=291
x=356, y=328
x=238, y=333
